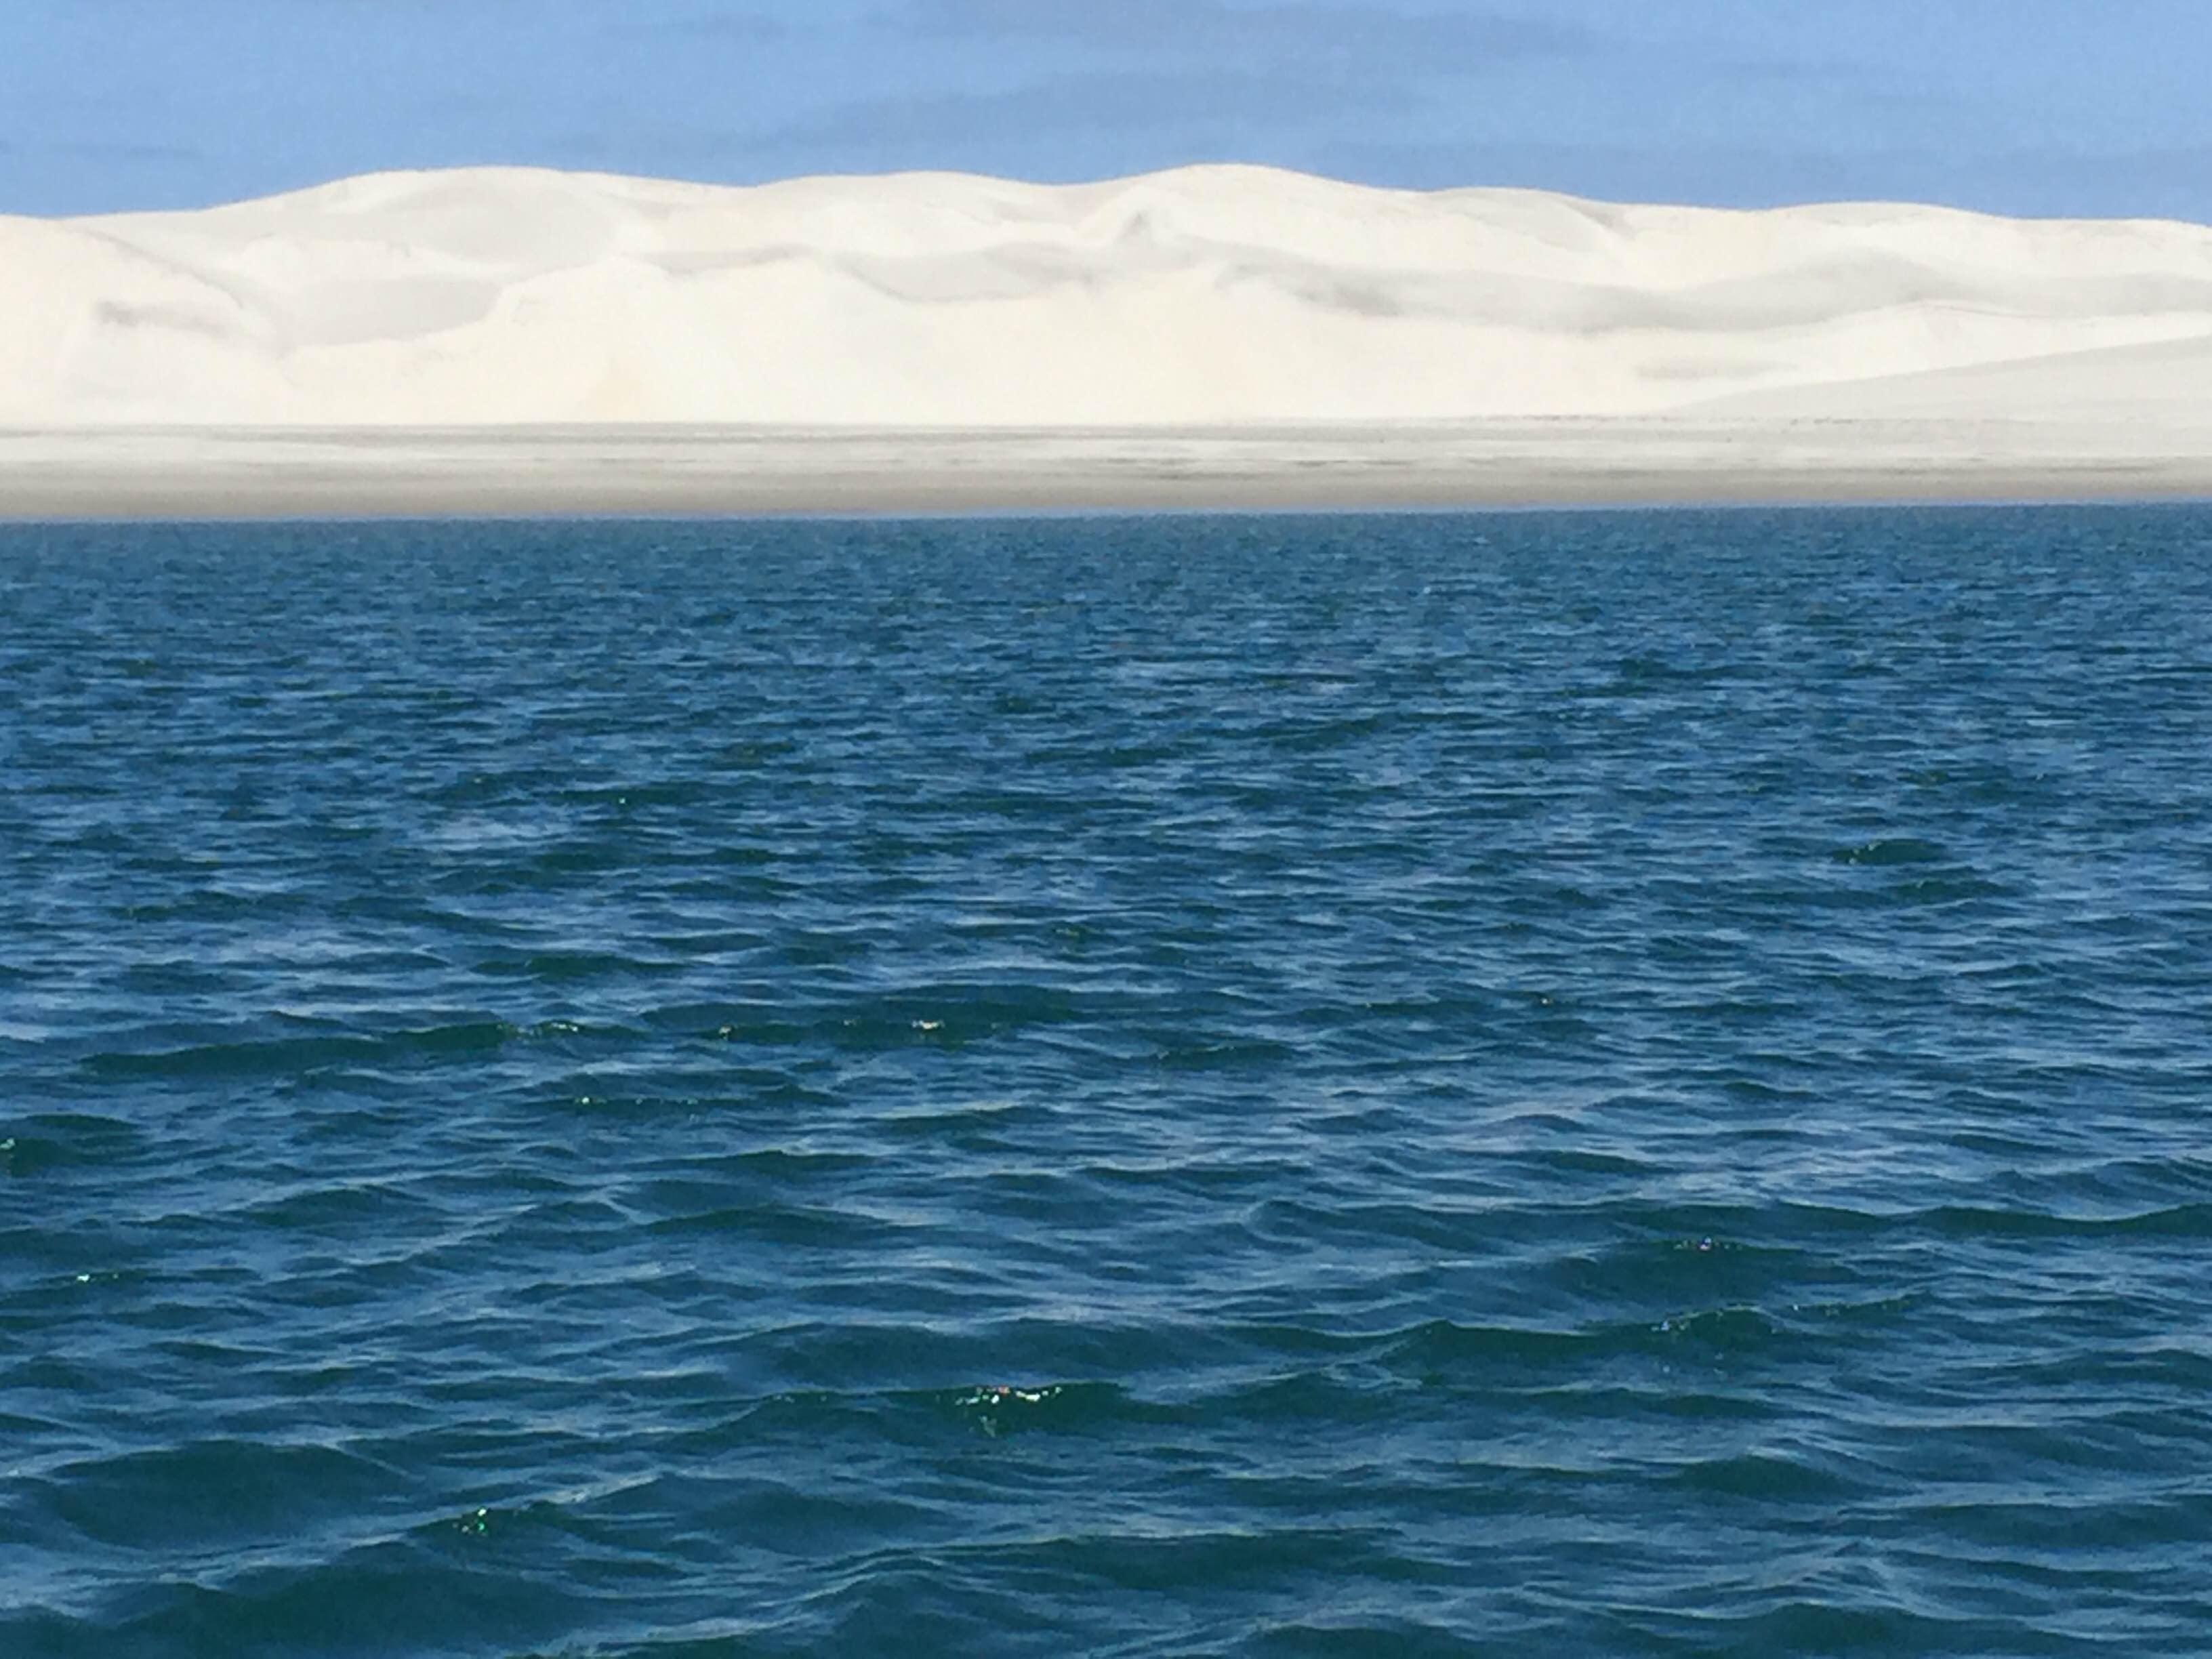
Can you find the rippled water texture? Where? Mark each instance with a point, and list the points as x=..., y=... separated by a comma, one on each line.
x=1571, y=1084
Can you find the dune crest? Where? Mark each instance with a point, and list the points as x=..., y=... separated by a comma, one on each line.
x=1207, y=296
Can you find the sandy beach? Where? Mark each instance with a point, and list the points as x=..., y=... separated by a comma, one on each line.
x=515, y=340
x=258, y=473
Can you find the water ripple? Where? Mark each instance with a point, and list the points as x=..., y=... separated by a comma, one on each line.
x=1614, y=1083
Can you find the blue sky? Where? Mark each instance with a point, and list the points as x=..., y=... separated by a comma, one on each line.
x=2038, y=106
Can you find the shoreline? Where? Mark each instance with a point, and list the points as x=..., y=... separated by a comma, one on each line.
x=55, y=474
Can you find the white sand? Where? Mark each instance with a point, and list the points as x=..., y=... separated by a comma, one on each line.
x=1440, y=335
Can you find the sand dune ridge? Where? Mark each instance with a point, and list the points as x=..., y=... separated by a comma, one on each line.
x=1220, y=296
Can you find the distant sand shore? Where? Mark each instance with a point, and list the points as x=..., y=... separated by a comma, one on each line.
x=529, y=472
x=519, y=341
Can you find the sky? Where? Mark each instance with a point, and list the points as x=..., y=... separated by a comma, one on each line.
x=2029, y=107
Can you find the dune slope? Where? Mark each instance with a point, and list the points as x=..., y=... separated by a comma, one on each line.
x=1205, y=296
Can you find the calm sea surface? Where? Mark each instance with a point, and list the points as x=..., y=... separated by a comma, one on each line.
x=1608, y=1083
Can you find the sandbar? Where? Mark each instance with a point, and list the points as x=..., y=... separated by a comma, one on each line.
x=259, y=473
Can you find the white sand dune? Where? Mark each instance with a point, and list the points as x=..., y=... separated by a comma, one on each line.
x=1219, y=297
x=2166, y=384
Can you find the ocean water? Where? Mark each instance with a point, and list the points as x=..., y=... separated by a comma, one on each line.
x=1606, y=1084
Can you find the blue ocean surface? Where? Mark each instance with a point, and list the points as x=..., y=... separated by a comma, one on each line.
x=1605, y=1084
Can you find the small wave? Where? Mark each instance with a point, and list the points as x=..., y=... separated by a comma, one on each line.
x=212, y=1492
x=55, y=1142
x=2174, y=1221
x=1887, y=854
x=1004, y=1408
x=1772, y=1477
x=262, y=1057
